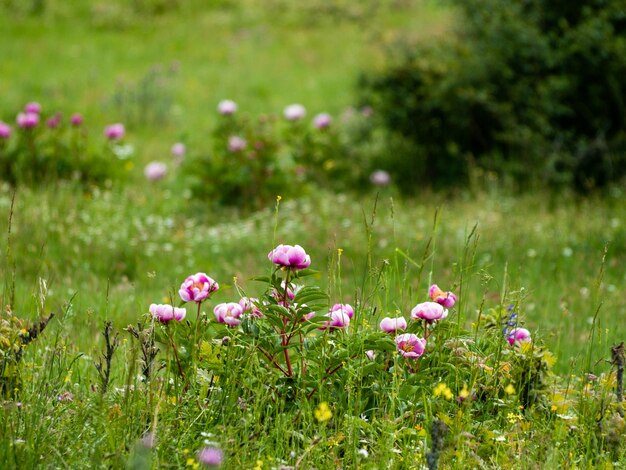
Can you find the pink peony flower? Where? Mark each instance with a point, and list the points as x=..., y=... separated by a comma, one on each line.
x=410, y=346
x=228, y=313
x=294, y=112
x=392, y=325
x=446, y=299
x=155, y=171
x=288, y=256
x=338, y=319
x=178, y=150
x=429, y=311
x=197, y=288
x=322, y=121
x=114, y=131
x=346, y=308
x=236, y=144
x=519, y=335
x=27, y=120
x=279, y=295
x=5, y=130
x=211, y=456
x=76, y=120
x=249, y=306
x=164, y=312
x=380, y=178
x=227, y=107
x=32, y=107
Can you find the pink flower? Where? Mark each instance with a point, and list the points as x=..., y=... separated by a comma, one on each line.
x=227, y=107
x=197, y=288
x=164, y=312
x=380, y=178
x=322, y=121
x=76, y=120
x=410, y=346
x=519, y=335
x=290, y=257
x=446, y=299
x=54, y=121
x=27, y=120
x=155, y=171
x=338, y=319
x=346, y=308
x=428, y=311
x=178, y=150
x=236, y=144
x=32, y=107
x=211, y=456
x=249, y=306
x=66, y=396
x=371, y=355
x=279, y=295
x=392, y=325
x=114, y=131
x=228, y=313
x=294, y=112
x=5, y=130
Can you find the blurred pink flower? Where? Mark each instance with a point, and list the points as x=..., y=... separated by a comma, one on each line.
x=410, y=346
x=228, y=313
x=249, y=306
x=322, y=121
x=114, y=131
x=164, y=312
x=294, y=112
x=392, y=325
x=5, y=130
x=380, y=178
x=227, y=107
x=76, y=120
x=236, y=144
x=155, y=171
x=338, y=319
x=197, y=288
x=54, y=121
x=370, y=354
x=346, y=308
x=429, y=311
x=293, y=257
x=519, y=335
x=32, y=107
x=27, y=120
x=279, y=295
x=211, y=456
x=178, y=150
x=446, y=299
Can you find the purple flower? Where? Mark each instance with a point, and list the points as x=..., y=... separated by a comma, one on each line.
x=5, y=130
x=76, y=120
x=518, y=336
x=228, y=313
x=380, y=178
x=294, y=112
x=429, y=311
x=32, y=107
x=54, y=121
x=446, y=299
x=236, y=144
x=27, y=120
x=279, y=295
x=322, y=121
x=345, y=308
x=155, y=171
x=197, y=288
x=165, y=313
x=114, y=131
x=410, y=346
x=211, y=456
x=392, y=325
x=290, y=257
x=227, y=107
x=178, y=150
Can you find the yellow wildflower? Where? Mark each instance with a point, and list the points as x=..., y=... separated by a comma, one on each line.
x=509, y=389
x=322, y=412
x=464, y=393
x=443, y=389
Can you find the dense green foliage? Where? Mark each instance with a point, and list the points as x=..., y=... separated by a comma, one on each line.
x=532, y=90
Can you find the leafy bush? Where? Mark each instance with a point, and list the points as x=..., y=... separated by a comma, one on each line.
x=528, y=89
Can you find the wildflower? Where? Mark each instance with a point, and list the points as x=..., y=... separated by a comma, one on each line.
x=338, y=319
x=211, y=456
x=114, y=131
x=363, y=452
x=392, y=325
x=76, y=120
x=322, y=412
x=514, y=418
x=288, y=256
x=197, y=288
x=5, y=130
x=442, y=389
x=164, y=312
x=464, y=393
x=236, y=144
x=258, y=465
x=345, y=308
x=509, y=389
x=429, y=311
x=370, y=354
x=227, y=107
x=249, y=306
x=410, y=346
x=27, y=120
x=66, y=396
x=32, y=107
x=155, y=171
x=322, y=121
x=178, y=150
x=519, y=336
x=509, y=320
x=380, y=178
x=228, y=313
x=445, y=299
x=54, y=121
x=294, y=112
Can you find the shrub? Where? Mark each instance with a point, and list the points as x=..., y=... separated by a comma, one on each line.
x=528, y=89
